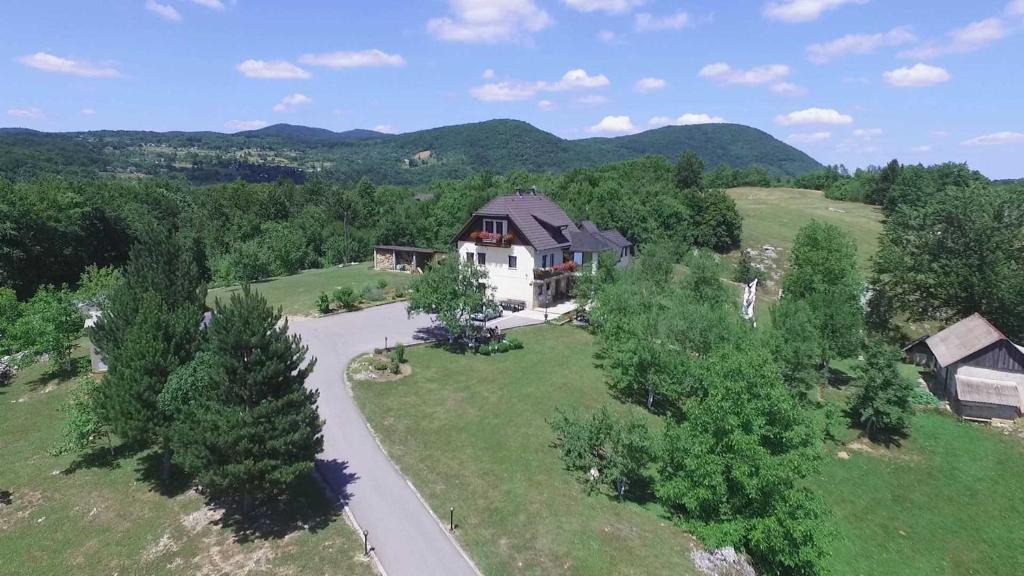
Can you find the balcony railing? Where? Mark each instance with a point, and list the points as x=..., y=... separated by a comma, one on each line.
x=554, y=271
x=492, y=239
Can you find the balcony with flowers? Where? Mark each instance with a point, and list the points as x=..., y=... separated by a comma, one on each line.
x=565, y=268
x=492, y=239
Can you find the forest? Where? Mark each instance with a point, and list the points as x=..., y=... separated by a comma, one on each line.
x=452, y=152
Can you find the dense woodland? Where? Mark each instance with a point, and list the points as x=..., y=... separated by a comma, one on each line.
x=451, y=152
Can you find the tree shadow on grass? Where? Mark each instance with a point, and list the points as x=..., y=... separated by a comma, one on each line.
x=307, y=506
x=150, y=468
x=102, y=457
x=435, y=333
x=838, y=379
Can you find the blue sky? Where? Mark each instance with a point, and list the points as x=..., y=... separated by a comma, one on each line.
x=851, y=81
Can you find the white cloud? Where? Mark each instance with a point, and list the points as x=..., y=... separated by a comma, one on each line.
x=916, y=76
x=921, y=149
x=969, y=38
x=238, y=125
x=859, y=44
x=488, y=74
x=645, y=22
x=545, y=105
x=288, y=103
x=510, y=91
x=608, y=37
x=384, y=128
x=33, y=112
x=995, y=139
x=504, y=91
x=271, y=70
x=1015, y=8
x=687, y=119
x=489, y=21
x=814, y=116
x=808, y=137
x=608, y=6
x=650, y=84
x=87, y=112
x=372, y=58
x=165, y=11
x=579, y=79
x=211, y=4
x=50, y=63
x=592, y=100
x=802, y=10
x=722, y=72
x=613, y=125
x=788, y=89
x=868, y=133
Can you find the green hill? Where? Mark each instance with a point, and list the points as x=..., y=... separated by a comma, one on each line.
x=285, y=150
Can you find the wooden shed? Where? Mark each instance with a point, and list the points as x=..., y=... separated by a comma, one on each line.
x=976, y=368
x=402, y=258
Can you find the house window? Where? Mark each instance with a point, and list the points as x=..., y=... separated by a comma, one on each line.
x=512, y=262
x=481, y=258
x=469, y=257
x=495, y=226
x=544, y=261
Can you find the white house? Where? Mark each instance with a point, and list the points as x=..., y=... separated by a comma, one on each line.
x=531, y=248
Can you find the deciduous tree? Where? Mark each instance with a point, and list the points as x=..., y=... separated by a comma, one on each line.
x=451, y=290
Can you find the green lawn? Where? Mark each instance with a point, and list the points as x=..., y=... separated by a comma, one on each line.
x=108, y=518
x=297, y=294
x=774, y=216
x=471, y=432
x=948, y=502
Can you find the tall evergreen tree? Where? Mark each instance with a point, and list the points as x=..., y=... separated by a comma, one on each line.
x=689, y=171
x=251, y=428
x=149, y=328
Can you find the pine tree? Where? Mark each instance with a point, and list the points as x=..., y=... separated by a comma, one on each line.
x=255, y=429
x=149, y=328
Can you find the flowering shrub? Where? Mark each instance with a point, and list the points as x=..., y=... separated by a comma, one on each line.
x=490, y=237
x=474, y=236
x=509, y=238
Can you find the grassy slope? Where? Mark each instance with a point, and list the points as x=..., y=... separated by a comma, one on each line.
x=297, y=294
x=774, y=215
x=471, y=432
x=109, y=519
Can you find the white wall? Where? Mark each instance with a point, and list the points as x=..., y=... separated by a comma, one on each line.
x=504, y=282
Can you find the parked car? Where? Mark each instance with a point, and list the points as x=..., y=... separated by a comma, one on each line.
x=490, y=312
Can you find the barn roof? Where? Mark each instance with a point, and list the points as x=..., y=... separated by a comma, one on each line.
x=990, y=386
x=963, y=339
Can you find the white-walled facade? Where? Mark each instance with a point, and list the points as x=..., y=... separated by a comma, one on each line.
x=505, y=282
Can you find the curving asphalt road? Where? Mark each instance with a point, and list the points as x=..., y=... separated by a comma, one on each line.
x=407, y=538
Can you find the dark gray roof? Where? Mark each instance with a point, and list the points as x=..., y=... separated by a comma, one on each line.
x=406, y=249
x=544, y=224
x=616, y=238
x=590, y=239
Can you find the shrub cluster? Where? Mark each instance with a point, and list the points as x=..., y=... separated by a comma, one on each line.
x=505, y=345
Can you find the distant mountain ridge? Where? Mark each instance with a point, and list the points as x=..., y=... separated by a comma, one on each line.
x=287, y=150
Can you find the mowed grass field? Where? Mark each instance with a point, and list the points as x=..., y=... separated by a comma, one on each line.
x=297, y=294
x=773, y=216
x=472, y=432
x=108, y=517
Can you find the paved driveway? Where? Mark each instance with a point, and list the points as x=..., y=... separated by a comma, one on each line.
x=408, y=539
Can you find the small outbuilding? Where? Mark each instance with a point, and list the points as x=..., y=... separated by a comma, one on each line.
x=402, y=258
x=974, y=367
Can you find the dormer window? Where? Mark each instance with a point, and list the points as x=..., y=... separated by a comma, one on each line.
x=499, y=227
